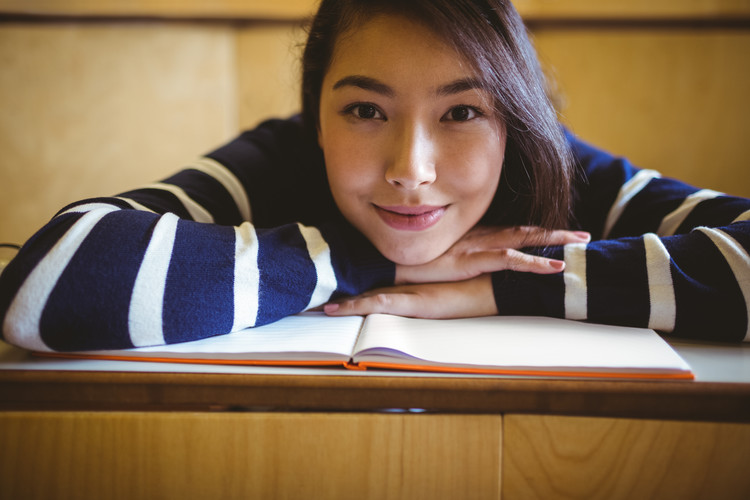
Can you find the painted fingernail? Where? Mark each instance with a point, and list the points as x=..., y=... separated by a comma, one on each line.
x=557, y=264
x=330, y=308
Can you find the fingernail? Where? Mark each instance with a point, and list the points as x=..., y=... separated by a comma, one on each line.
x=330, y=308
x=582, y=235
x=557, y=264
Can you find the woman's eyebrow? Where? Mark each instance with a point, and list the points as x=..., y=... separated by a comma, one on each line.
x=365, y=83
x=374, y=85
x=458, y=86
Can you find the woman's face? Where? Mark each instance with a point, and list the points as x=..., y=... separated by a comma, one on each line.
x=413, y=148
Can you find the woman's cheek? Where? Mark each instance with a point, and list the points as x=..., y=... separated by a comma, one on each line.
x=477, y=176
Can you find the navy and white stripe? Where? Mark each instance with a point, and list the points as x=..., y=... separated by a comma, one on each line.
x=666, y=256
x=21, y=325
x=663, y=309
x=177, y=260
x=250, y=234
x=673, y=221
x=680, y=275
x=246, y=277
x=146, y=303
x=227, y=179
x=181, y=290
x=576, y=297
x=739, y=262
x=628, y=190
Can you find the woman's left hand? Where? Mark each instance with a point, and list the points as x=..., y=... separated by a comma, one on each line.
x=488, y=249
x=455, y=299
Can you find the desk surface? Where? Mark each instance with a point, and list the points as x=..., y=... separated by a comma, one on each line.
x=720, y=392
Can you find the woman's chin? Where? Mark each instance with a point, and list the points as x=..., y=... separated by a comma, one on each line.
x=411, y=256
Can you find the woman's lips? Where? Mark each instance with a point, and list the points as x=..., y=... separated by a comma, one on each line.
x=410, y=218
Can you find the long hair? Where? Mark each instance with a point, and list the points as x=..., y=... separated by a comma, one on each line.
x=535, y=184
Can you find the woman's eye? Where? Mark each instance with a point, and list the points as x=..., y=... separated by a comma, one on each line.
x=364, y=111
x=461, y=114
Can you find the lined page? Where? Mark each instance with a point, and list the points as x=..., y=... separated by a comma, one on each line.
x=305, y=336
x=515, y=343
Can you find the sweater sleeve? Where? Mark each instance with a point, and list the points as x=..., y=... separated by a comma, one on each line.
x=242, y=237
x=664, y=255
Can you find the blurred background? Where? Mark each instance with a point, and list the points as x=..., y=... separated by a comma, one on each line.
x=97, y=97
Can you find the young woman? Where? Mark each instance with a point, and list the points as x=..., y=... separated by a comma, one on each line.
x=427, y=176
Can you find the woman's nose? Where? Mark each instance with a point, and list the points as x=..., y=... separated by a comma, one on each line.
x=412, y=163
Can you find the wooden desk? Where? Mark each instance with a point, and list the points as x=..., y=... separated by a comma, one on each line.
x=94, y=429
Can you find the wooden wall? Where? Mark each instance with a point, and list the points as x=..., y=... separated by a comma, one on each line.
x=247, y=455
x=99, y=97
x=92, y=109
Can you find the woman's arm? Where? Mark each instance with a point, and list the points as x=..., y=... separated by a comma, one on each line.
x=669, y=256
x=664, y=255
x=180, y=260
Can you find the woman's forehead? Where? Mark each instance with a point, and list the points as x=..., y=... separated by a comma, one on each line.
x=395, y=48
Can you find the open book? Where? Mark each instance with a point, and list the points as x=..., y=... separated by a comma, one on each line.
x=531, y=346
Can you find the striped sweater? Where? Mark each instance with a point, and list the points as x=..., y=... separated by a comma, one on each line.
x=249, y=234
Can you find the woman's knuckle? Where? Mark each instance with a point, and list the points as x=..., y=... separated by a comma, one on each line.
x=508, y=254
x=383, y=299
x=519, y=259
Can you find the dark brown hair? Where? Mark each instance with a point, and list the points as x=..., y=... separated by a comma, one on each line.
x=536, y=178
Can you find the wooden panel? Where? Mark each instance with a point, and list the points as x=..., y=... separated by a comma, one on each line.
x=551, y=457
x=96, y=109
x=269, y=72
x=631, y=9
x=671, y=100
x=249, y=9
x=297, y=9
x=248, y=455
x=43, y=389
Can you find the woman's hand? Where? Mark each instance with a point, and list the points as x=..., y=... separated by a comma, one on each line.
x=489, y=249
x=456, y=299
x=458, y=283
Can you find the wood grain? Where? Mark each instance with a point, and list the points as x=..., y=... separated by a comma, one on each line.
x=70, y=390
x=631, y=9
x=297, y=9
x=93, y=110
x=235, y=9
x=671, y=100
x=549, y=457
x=268, y=72
x=248, y=455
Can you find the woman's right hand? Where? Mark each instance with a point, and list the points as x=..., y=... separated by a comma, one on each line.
x=489, y=249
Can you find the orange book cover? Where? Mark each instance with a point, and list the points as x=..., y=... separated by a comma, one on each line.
x=508, y=346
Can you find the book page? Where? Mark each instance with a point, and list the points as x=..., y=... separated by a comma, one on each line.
x=306, y=336
x=516, y=343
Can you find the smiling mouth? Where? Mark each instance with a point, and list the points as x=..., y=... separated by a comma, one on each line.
x=410, y=218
